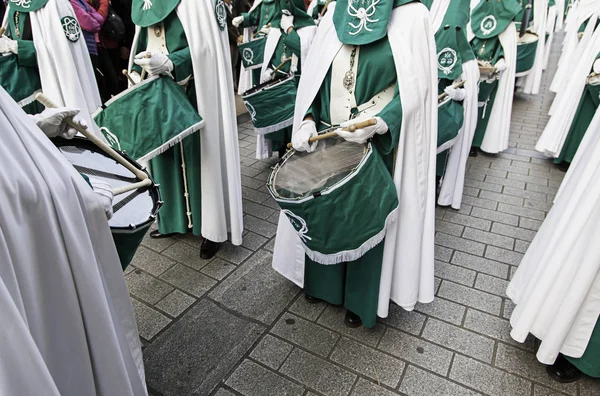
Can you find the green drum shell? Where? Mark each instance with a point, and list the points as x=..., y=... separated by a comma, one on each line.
x=271, y=105
x=346, y=219
x=450, y=120
x=252, y=53
x=526, y=52
x=21, y=82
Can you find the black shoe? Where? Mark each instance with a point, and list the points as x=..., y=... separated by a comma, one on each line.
x=474, y=152
x=564, y=166
x=157, y=235
x=352, y=320
x=311, y=299
x=563, y=371
x=208, y=249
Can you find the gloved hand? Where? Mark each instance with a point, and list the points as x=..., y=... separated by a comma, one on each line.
x=7, y=45
x=104, y=193
x=157, y=64
x=264, y=30
x=52, y=122
x=596, y=67
x=267, y=76
x=501, y=65
x=287, y=21
x=457, y=94
x=361, y=136
x=237, y=21
x=300, y=138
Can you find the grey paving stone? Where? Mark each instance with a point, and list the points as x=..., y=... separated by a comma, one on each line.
x=491, y=284
x=368, y=362
x=151, y=261
x=542, y=181
x=255, y=289
x=195, y=354
x=157, y=244
x=530, y=165
x=439, y=213
x=251, y=182
x=530, y=224
x=186, y=254
x=504, y=182
x=224, y=392
x=460, y=340
x=333, y=318
x=250, y=379
x=259, y=226
x=503, y=255
x=547, y=175
x=521, y=246
x=232, y=253
x=253, y=241
x=554, y=183
x=307, y=310
x=463, y=245
x=525, y=364
x=318, y=374
x=308, y=335
x=419, y=382
x=443, y=254
x=257, y=210
x=411, y=322
x=502, y=198
x=489, y=238
x=416, y=350
x=245, y=170
x=482, y=185
x=454, y=273
x=509, y=307
x=589, y=386
x=367, y=388
x=494, y=327
x=218, y=269
x=146, y=287
x=471, y=175
x=509, y=168
x=149, y=321
x=470, y=297
x=468, y=221
x=443, y=309
x=479, y=202
x=175, y=303
x=539, y=390
x=271, y=351
x=481, y=264
x=188, y=280
x=190, y=239
x=538, y=205
x=523, y=212
x=257, y=196
x=492, y=171
x=465, y=209
x=513, y=232
x=270, y=245
x=542, y=189
x=488, y=379
x=449, y=228
x=495, y=216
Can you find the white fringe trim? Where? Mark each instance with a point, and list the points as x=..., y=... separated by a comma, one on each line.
x=274, y=128
x=172, y=142
x=351, y=255
x=28, y=100
x=449, y=144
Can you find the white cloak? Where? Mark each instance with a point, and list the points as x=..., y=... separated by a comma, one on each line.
x=408, y=263
x=557, y=285
x=68, y=326
x=555, y=134
x=219, y=152
x=550, y=27
x=245, y=82
x=530, y=83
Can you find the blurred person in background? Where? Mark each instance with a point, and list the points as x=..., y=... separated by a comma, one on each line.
x=91, y=22
x=109, y=62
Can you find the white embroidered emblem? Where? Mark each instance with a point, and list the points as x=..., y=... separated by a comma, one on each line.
x=299, y=224
x=488, y=24
x=251, y=110
x=248, y=55
x=147, y=5
x=446, y=60
x=364, y=15
x=22, y=3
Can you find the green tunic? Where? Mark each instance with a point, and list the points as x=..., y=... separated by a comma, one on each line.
x=355, y=285
x=589, y=363
x=488, y=50
x=167, y=167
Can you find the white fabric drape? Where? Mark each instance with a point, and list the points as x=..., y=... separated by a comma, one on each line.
x=530, y=84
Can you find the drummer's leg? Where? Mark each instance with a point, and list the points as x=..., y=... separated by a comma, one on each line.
x=325, y=282
x=362, y=285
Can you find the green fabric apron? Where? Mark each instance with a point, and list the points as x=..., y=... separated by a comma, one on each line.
x=589, y=363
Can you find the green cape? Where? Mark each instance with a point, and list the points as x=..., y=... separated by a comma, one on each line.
x=26, y=6
x=492, y=17
x=146, y=13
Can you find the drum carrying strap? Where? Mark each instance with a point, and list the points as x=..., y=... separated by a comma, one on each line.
x=343, y=100
x=156, y=39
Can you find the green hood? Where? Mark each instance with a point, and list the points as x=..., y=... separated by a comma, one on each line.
x=26, y=6
x=146, y=13
x=492, y=17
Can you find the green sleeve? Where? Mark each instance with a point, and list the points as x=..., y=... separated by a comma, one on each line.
x=182, y=64
x=26, y=53
x=392, y=115
x=292, y=41
x=251, y=18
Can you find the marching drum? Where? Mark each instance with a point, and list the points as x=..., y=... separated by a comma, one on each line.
x=271, y=104
x=21, y=83
x=252, y=53
x=339, y=198
x=450, y=120
x=487, y=72
x=133, y=212
x=148, y=118
x=526, y=48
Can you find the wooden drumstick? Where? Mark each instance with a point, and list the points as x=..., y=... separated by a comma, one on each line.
x=350, y=128
x=143, y=75
x=324, y=8
x=459, y=84
x=281, y=65
x=145, y=180
x=268, y=25
x=2, y=31
x=126, y=74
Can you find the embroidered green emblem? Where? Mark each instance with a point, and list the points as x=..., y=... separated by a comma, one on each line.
x=221, y=14
x=488, y=24
x=71, y=28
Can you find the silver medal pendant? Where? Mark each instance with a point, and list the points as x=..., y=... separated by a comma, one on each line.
x=349, y=79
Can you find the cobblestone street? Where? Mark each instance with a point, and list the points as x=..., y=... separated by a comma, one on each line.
x=233, y=326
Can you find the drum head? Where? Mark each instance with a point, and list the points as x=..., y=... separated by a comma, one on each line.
x=130, y=210
x=527, y=38
x=302, y=174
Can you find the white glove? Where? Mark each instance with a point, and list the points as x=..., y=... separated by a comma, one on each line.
x=501, y=65
x=264, y=30
x=52, y=122
x=157, y=64
x=7, y=45
x=267, y=76
x=456, y=94
x=361, y=136
x=300, y=138
x=237, y=21
x=105, y=194
x=287, y=21
x=596, y=67
x=135, y=76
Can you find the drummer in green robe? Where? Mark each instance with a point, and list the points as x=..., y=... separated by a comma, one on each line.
x=361, y=82
x=493, y=28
